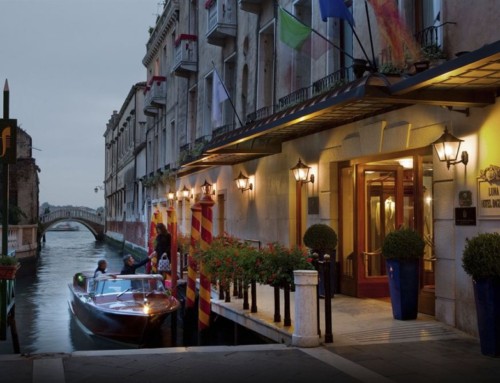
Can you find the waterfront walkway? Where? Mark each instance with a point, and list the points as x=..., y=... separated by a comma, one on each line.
x=368, y=346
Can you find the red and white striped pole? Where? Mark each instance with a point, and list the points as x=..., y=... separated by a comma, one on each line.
x=195, y=238
x=206, y=239
x=172, y=229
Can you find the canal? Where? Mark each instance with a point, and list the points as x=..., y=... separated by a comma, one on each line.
x=45, y=323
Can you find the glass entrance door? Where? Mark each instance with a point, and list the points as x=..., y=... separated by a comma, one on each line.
x=377, y=198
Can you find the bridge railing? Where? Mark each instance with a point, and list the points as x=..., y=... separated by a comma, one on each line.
x=72, y=213
x=22, y=239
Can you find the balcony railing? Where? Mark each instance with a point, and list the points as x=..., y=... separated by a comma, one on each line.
x=193, y=150
x=185, y=55
x=223, y=129
x=293, y=98
x=156, y=95
x=332, y=81
x=149, y=108
x=260, y=114
x=221, y=21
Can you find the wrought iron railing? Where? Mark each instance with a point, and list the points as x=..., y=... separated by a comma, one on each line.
x=294, y=98
x=332, y=81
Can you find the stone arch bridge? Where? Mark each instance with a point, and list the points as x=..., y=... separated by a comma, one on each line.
x=91, y=219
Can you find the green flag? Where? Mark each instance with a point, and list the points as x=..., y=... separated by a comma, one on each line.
x=292, y=32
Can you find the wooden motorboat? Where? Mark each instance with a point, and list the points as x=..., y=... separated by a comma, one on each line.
x=127, y=308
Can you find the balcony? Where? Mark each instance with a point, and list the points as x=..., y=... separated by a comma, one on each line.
x=149, y=108
x=185, y=55
x=253, y=6
x=221, y=21
x=156, y=95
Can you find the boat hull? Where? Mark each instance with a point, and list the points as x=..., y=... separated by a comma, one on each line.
x=122, y=318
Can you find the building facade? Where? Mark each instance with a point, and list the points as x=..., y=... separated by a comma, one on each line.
x=228, y=92
x=23, y=200
x=125, y=157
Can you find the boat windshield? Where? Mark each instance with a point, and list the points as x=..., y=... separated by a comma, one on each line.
x=137, y=285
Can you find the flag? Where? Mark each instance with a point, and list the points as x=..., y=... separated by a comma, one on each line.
x=394, y=32
x=292, y=32
x=335, y=8
x=219, y=94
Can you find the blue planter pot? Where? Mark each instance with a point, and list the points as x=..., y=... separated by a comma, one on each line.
x=487, y=296
x=404, y=287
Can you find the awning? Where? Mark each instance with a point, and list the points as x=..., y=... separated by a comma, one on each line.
x=470, y=80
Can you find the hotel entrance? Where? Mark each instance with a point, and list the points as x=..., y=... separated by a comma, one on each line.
x=376, y=197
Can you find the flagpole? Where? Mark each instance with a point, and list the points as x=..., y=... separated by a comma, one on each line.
x=228, y=95
x=361, y=46
x=370, y=32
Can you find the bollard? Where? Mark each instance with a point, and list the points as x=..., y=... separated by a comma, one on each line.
x=277, y=315
x=305, y=330
x=287, y=321
x=253, y=292
x=328, y=301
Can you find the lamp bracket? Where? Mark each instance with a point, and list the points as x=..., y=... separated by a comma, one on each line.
x=311, y=180
x=464, y=160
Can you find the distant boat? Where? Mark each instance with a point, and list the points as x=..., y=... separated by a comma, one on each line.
x=64, y=227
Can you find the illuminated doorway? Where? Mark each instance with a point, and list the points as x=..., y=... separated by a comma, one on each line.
x=376, y=197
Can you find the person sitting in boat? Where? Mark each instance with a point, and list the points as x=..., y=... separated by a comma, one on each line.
x=101, y=268
x=130, y=265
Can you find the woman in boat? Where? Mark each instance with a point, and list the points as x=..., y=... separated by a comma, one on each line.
x=130, y=265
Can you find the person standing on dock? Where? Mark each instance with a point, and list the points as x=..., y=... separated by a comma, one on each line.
x=163, y=242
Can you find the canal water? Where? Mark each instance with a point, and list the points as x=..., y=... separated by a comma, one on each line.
x=45, y=323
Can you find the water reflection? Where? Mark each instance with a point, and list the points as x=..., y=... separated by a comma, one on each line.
x=44, y=321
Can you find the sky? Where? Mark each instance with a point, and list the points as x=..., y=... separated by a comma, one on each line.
x=69, y=65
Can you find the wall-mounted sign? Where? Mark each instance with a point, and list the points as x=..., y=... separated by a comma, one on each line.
x=489, y=192
x=465, y=216
x=465, y=198
x=8, y=142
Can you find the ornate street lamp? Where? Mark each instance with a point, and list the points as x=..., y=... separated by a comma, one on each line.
x=447, y=147
x=242, y=182
x=301, y=173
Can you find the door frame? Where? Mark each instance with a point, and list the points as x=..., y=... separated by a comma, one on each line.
x=358, y=285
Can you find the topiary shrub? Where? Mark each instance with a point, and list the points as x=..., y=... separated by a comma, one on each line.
x=403, y=243
x=481, y=256
x=320, y=238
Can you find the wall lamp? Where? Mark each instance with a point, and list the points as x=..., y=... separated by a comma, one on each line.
x=447, y=147
x=206, y=188
x=97, y=188
x=185, y=193
x=301, y=173
x=242, y=182
x=170, y=195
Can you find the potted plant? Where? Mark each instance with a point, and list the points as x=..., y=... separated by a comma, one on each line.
x=322, y=239
x=434, y=54
x=481, y=260
x=8, y=267
x=403, y=250
x=279, y=262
